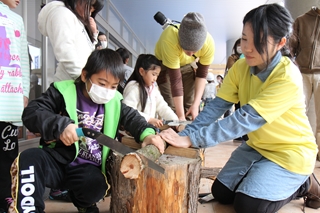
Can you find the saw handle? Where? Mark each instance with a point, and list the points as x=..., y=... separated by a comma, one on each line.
x=87, y=133
x=79, y=132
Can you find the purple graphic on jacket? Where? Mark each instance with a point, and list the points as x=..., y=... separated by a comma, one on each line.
x=5, y=56
x=90, y=115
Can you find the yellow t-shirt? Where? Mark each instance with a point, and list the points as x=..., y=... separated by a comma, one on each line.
x=169, y=51
x=287, y=138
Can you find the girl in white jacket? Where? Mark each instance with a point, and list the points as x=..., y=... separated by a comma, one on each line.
x=141, y=91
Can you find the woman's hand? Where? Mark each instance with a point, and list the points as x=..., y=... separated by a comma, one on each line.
x=93, y=25
x=155, y=140
x=171, y=137
x=69, y=135
x=155, y=122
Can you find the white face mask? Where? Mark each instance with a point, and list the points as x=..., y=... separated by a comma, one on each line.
x=104, y=44
x=100, y=95
x=239, y=49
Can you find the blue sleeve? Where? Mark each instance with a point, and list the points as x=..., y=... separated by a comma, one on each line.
x=211, y=132
x=211, y=112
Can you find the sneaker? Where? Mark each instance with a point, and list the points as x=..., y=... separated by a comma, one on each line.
x=57, y=194
x=91, y=209
x=313, y=195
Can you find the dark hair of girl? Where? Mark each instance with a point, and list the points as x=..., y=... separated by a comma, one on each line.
x=103, y=60
x=96, y=4
x=270, y=20
x=124, y=53
x=147, y=62
x=235, y=46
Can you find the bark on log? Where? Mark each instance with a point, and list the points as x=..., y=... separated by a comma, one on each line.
x=132, y=164
x=174, y=191
x=170, y=150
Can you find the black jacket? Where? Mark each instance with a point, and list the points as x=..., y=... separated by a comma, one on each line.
x=48, y=116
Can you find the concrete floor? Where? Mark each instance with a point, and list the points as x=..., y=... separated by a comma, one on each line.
x=214, y=157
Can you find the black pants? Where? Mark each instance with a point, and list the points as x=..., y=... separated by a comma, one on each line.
x=243, y=203
x=37, y=169
x=8, y=152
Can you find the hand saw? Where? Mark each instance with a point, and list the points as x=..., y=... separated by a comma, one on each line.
x=176, y=122
x=114, y=145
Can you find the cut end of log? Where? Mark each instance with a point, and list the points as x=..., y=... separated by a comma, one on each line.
x=131, y=166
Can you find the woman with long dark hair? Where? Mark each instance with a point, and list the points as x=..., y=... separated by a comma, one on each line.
x=72, y=31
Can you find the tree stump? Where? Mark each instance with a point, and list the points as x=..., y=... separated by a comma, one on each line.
x=133, y=163
x=175, y=191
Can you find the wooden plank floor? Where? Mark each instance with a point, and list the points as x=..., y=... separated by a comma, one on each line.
x=214, y=157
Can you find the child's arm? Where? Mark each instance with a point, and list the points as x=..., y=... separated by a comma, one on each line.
x=132, y=99
x=163, y=109
x=46, y=115
x=133, y=122
x=155, y=122
x=139, y=128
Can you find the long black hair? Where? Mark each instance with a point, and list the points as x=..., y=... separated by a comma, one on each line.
x=147, y=62
x=270, y=20
x=96, y=4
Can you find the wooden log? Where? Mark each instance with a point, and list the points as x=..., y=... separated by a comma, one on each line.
x=210, y=173
x=132, y=164
x=184, y=152
x=174, y=191
x=170, y=150
x=130, y=142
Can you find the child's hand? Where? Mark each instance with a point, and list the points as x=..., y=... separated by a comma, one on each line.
x=155, y=140
x=155, y=122
x=69, y=135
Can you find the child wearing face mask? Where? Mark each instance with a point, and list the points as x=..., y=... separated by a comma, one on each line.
x=69, y=24
x=141, y=91
x=102, y=41
x=91, y=101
